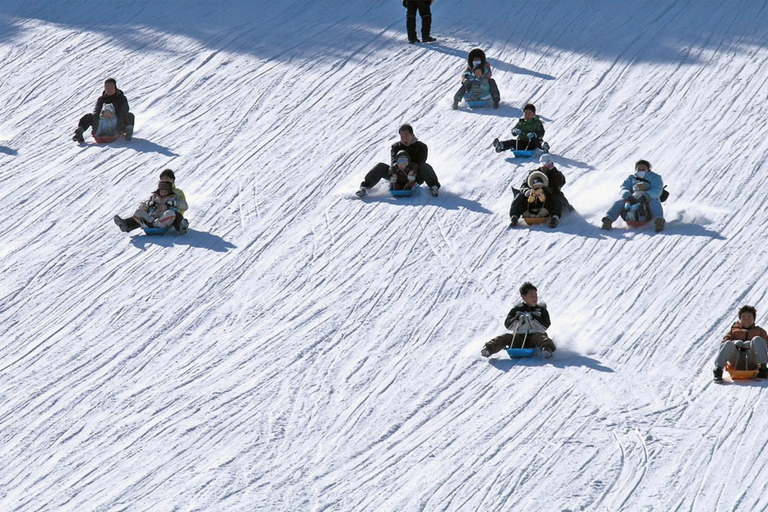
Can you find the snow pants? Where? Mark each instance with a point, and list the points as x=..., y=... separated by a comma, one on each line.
x=380, y=172
x=521, y=143
x=654, y=205
x=423, y=6
x=555, y=202
x=466, y=86
x=89, y=120
x=520, y=340
x=756, y=352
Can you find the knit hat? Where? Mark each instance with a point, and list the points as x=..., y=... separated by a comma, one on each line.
x=165, y=185
x=530, y=106
x=546, y=158
x=537, y=178
x=108, y=107
x=402, y=157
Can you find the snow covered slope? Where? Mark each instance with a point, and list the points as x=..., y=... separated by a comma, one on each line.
x=300, y=349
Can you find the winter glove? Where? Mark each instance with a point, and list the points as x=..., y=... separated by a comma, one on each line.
x=393, y=178
x=537, y=194
x=516, y=132
x=171, y=203
x=411, y=177
x=632, y=199
x=531, y=135
x=742, y=345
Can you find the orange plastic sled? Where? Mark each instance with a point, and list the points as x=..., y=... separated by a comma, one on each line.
x=741, y=374
x=532, y=221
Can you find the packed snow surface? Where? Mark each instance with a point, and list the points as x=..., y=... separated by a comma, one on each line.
x=302, y=349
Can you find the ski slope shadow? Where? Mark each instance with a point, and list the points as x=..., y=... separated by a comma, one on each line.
x=145, y=146
x=673, y=227
x=574, y=224
x=561, y=360
x=193, y=238
x=8, y=151
x=446, y=200
x=502, y=112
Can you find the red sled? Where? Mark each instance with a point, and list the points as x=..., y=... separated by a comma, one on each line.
x=106, y=139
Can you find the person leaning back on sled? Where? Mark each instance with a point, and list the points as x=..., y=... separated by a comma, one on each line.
x=528, y=321
x=744, y=336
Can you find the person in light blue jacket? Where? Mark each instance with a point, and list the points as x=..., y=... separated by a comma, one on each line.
x=644, y=186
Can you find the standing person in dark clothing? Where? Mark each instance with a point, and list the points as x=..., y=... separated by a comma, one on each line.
x=423, y=6
x=114, y=96
x=529, y=321
x=417, y=151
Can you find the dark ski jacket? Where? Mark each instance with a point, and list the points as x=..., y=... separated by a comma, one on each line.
x=119, y=101
x=417, y=151
x=739, y=332
x=539, y=318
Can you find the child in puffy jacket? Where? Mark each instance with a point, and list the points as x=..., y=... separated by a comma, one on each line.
x=107, y=121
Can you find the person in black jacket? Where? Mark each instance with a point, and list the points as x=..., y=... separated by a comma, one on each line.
x=555, y=202
x=417, y=151
x=529, y=321
x=114, y=96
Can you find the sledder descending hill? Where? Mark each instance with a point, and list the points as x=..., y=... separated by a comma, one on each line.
x=528, y=321
x=540, y=198
x=528, y=133
x=108, y=127
x=743, y=352
x=163, y=210
x=418, y=167
x=641, y=196
x=477, y=83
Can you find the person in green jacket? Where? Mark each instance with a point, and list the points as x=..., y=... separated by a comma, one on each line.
x=529, y=133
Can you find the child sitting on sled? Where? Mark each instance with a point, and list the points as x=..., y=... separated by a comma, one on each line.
x=528, y=133
x=528, y=321
x=159, y=211
x=107, y=122
x=744, y=337
x=402, y=174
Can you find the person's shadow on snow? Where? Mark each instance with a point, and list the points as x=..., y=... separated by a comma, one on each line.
x=447, y=200
x=145, y=146
x=561, y=359
x=136, y=144
x=672, y=227
x=8, y=151
x=192, y=238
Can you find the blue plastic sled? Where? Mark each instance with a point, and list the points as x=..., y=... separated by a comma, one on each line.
x=154, y=231
x=404, y=192
x=476, y=102
x=523, y=153
x=481, y=103
x=520, y=352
